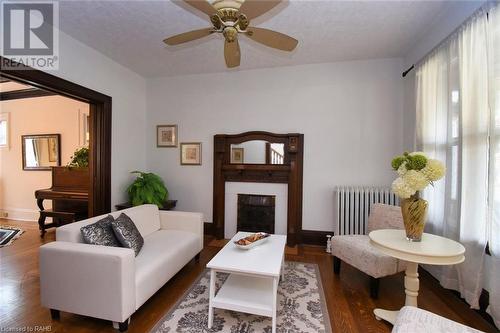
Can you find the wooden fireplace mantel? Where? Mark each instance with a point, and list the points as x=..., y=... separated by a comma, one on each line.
x=290, y=173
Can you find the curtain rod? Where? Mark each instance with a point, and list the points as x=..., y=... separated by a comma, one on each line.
x=408, y=70
x=483, y=7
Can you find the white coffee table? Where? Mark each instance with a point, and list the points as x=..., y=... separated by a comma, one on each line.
x=252, y=286
x=433, y=250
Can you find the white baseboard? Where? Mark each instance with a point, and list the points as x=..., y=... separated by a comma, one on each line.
x=21, y=214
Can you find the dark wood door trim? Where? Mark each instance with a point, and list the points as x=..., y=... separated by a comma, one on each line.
x=289, y=173
x=24, y=93
x=100, y=126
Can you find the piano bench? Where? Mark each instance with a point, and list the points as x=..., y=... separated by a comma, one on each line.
x=58, y=219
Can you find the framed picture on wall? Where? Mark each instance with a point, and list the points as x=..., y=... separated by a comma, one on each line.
x=166, y=136
x=237, y=155
x=191, y=153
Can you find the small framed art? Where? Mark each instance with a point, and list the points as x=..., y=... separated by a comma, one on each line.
x=166, y=136
x=191, y=153
x=237, y=155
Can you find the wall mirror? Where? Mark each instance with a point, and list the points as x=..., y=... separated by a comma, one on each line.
x=41, y=152
x=258, y=152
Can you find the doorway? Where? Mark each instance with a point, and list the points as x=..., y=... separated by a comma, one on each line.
x=99, y=201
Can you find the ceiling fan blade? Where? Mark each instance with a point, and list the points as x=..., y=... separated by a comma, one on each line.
x=232, y=53
x=254, y=8
x=272, y=38
x=188, y=36
x=202, y=5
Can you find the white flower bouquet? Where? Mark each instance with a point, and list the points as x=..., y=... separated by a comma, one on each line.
x=416, y=172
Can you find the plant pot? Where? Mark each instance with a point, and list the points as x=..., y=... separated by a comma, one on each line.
x=414, y=210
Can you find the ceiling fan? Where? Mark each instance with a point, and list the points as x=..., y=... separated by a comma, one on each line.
x=231, y=18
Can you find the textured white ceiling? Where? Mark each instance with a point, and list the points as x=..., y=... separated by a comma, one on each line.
x=131, y=33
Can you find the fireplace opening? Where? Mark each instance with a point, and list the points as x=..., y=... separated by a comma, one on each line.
x=256, y=213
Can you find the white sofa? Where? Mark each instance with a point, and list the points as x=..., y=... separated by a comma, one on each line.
x=110, y=282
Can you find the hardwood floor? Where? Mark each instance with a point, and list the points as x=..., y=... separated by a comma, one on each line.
x=347, y=295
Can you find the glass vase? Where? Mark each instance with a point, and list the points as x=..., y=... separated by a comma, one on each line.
x=414, y=210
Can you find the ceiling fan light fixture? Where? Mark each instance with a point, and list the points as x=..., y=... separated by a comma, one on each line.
x=216, y=21
x=230, y=34
x=231, y=17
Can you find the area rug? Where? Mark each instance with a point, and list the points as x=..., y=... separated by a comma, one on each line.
x=8, y=235
x=301, y=307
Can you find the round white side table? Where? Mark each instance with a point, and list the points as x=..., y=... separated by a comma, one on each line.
x=433, y=250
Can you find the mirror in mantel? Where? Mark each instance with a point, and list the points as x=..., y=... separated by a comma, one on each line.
x=258, y=152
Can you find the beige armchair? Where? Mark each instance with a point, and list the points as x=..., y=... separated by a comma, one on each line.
x=357, y=251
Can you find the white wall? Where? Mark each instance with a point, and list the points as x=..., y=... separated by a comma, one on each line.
x=41, y=115
x=85, y=66
x=349, y=112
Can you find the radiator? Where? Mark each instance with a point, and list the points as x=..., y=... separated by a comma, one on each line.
x=353, y=206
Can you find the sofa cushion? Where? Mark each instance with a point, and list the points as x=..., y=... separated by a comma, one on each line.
x=100, y=233
x=127, y=234
x=164, y=253
x=146, y=218
x=385, y=217
x=357, y=251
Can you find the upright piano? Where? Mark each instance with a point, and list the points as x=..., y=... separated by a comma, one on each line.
x=69, y=194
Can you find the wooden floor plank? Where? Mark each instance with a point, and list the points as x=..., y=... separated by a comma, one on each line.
x=347, y=295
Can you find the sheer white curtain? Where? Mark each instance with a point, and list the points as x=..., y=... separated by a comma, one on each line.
x=493, y=273
x=453, y=126
x=474, y=112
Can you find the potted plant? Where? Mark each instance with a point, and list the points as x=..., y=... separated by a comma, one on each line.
x=147, y=188
x=80, y=158
x=416, y=172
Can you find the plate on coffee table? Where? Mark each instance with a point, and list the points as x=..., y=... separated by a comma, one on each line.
x=251, y=241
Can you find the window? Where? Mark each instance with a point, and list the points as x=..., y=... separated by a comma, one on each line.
x=453, y=126
x=4, y=130
x=494, y=228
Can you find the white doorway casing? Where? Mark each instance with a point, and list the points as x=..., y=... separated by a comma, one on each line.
x=232, y=190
